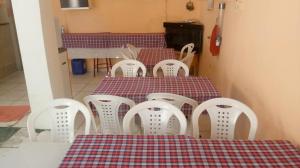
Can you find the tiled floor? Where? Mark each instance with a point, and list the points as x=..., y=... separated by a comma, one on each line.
x=13, y=89
x=83, y=85
x=13, y=92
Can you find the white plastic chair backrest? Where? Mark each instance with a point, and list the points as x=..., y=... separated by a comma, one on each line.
x=107, y=107
x=170, y=67
x=63, y=113
x=188, y=59
x=189, y=47
x=125, y=55
x=176, y=100
x=223, y=113
x=154, y=116
x=129, y=68
x=133, y=50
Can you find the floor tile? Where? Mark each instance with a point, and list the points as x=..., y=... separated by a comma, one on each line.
x=13, y=95
x=24, y=98
x=6, y=102
x=81, y=95
x=20, y=102
x=90, y=87
x=75, y=93
x=78, y=86
x=5, y=151
x=79, y=81
x=8, y=124
x=96, y=81
x=21, y=87
x=16, y=139
x=7, y=86
x=21, y=123
x=6, y=133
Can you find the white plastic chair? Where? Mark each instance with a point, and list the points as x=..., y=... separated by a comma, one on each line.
x=189, y=47
x=133, y=50
x=223, y=113
x=107, y=107
x=176, y=100
x=155, y=116
x=125, y=55
x=63, y=113
x=170, y=67
x=129, y=68
x=188, y=59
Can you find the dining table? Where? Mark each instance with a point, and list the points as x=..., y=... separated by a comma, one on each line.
x=151, y=56
x=148, y=56
x=107, y=44
x=178, y=151
x=137, y=88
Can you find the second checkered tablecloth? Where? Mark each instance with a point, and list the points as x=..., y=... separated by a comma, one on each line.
x=197, y=88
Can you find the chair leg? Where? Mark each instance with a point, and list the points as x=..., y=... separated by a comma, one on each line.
x=94, y=67
x=107, y=66
x=97, y=65
x=110, y=64
x=94, y=123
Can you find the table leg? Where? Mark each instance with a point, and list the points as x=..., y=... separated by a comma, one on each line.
x=110, y=64
x=94, y=67
x=97, y=65
x=107, y=66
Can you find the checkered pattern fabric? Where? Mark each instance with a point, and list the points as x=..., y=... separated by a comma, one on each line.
x=151, y=56
x=177, y=151
x=85, y=40
x=113, y=40
x=197, y=88
x=140, y=40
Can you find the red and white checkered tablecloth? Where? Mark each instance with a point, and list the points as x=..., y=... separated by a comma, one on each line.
x=140, y=40
x=197, y=88
x=113, y=40
x=85, y=40
x=151, y=56
x=178, y=151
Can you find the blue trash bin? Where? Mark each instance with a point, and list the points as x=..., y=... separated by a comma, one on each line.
x=78, y=66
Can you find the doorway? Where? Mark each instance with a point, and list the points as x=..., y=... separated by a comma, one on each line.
x=14, y=104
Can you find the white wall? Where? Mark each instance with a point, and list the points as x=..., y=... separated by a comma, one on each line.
x=37, y=40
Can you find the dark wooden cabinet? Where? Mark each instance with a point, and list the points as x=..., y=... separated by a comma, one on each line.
x=179, y=34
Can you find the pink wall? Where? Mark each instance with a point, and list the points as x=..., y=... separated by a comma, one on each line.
x=260, y=63
x=126, y=15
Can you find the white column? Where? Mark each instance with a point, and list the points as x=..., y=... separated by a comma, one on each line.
x=38, y=46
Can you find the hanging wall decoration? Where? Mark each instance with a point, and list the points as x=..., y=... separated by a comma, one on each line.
x=216, y=35
x=190, y=5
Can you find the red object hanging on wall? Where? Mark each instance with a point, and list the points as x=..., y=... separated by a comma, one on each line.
x=215, y=41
